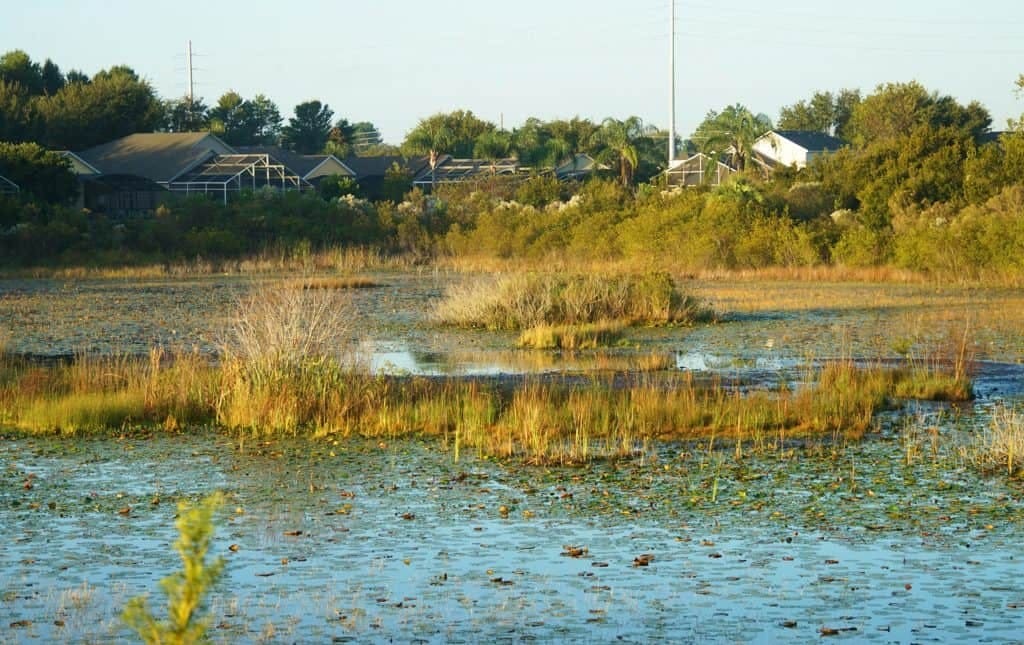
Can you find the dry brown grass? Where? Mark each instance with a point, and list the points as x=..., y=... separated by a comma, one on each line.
x=333, y=282
x=1001, y=445
x=274, y=262
x=590, y=336
x=277, y=329
x=522, y=301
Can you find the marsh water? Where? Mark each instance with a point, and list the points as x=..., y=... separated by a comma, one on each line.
x=892, y=539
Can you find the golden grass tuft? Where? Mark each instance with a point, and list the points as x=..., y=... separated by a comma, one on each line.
x=337, y=282
x=93, y=394
x=532, y=300
x=572, y=337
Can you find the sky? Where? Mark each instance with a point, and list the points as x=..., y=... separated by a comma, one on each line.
x=394, y=62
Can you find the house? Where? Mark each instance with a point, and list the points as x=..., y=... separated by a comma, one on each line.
x=578, y=166
x=311, y=168
x=134, y=173
x=371, y=172
x=160, y=157
x=450, y=170
x=991, y=137
x=8, y=187
x=699, y=170
x=792, y=147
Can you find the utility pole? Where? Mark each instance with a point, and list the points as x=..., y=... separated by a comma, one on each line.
x=188, y=67
x=672, y=84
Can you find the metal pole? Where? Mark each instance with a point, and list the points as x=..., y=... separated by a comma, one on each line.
x=672, y=84
x=188, y=66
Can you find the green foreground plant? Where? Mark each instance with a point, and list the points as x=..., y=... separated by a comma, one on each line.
x=185, y=589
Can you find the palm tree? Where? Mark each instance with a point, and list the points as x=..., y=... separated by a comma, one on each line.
x=431, y=136
x=618, y=141
x=732, y=131
x=492, y=146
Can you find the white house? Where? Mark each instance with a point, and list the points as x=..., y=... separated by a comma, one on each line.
x=793, y=147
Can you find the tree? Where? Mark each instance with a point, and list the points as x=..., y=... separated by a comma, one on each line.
x=51, y=77
x=115, y=104
x=307, y=131
x=365, y=136
x=824, y=112
x=186, y=115
x=17, y=67
x=38, y=172
x=232, y=119
x=266, y=121
x=76, y=76
x=18, y=114
x=462, y=128
x=492, y=146
x=432, y=136
x=731, y=131
x=341, y=139
x=618, y=140
x=895, y=109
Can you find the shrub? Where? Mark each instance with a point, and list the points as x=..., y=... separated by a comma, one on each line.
x=531, y=300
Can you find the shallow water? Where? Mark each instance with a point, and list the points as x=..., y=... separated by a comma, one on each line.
x=392, y=323
x=373, y=542
x=893, y=539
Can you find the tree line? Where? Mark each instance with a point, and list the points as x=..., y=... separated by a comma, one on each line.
x=916, y=166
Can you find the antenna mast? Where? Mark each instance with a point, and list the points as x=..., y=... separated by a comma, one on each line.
x=672, y=84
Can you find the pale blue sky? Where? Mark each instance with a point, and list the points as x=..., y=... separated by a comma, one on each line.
x=395, y=61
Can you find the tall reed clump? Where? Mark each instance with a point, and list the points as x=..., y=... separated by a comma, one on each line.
x=186, y=590
x=113, y=392
x=530, y=300
x=286, y=360
x=943, y=373
x=1001, y=445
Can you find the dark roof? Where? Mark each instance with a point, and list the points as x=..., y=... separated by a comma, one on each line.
x=451, y=169
x=810, y=140
x=300, y=164
x=7, y=186
x=377, y=166
x=243, y=170
x=158, y=156
x=990, y=137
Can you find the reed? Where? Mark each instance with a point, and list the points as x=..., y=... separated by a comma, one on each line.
x=532, y=300
x=333, y=282
x=118, y=392
x=1001, y=445
x=588, y=336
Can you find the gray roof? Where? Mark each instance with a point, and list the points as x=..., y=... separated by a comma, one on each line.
x=158, y=156
x=450, y=169
x=300, y=164
x=241, y=171
x=377, y=166
x=811, y=140
x=990, y=137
